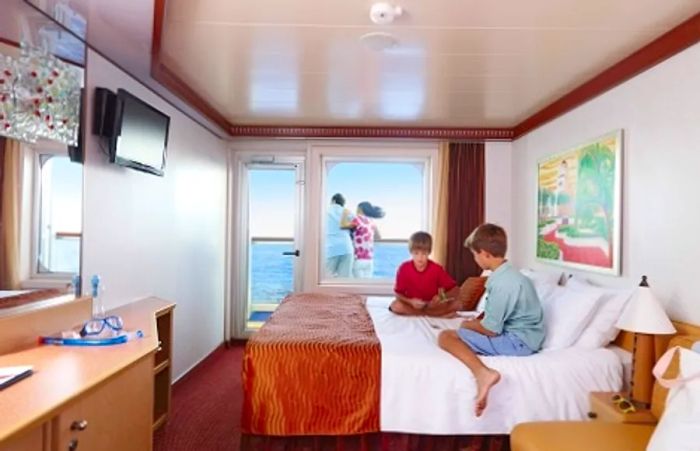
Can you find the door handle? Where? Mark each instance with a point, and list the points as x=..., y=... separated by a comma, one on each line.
x=296, y=253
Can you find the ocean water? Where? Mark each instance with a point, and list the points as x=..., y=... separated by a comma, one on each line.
x=271, y=271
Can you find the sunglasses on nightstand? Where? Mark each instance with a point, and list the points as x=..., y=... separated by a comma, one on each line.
x=624, y=404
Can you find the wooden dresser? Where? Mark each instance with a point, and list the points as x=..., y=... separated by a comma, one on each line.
x=89, y=398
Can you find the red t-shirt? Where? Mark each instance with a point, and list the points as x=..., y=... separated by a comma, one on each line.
x=422, y=284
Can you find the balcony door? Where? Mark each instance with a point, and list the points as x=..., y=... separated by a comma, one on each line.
x=271, y=263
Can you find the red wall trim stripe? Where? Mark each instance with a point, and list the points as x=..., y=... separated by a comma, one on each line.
x=662, y=48
x=488, y=134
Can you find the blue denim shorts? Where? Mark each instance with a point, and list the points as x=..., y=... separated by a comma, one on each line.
x=505, y=344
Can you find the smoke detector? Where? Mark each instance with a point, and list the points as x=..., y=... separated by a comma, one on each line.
x=383, y=13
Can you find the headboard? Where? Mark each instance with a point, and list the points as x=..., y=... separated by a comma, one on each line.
x=686, y=335
x=658, y=400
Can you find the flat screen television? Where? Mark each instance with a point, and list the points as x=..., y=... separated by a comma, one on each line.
x=140, y=140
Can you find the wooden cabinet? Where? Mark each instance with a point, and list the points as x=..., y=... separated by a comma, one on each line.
x=163, y=368
x=604, y=409
x=113, y=416
x=31, y=440
x=85, y=398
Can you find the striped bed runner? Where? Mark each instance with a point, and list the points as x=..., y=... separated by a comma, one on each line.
x=313, y=369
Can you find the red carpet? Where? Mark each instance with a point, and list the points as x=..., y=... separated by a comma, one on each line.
x=206, y=406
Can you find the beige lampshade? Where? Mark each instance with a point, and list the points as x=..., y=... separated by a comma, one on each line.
x=645, y=315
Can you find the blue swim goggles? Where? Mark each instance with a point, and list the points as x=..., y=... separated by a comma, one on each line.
x=96, y=326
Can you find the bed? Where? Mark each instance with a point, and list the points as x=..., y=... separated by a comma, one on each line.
x=427, y=391
x=421, y=391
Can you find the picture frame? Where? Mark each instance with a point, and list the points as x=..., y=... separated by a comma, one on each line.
x=579, y=194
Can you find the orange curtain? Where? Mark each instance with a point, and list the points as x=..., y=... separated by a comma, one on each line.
x=9, y=215
x=440, y=216
x=465, y=205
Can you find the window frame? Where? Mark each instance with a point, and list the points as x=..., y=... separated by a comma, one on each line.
x=35, y=276
x=319, y=154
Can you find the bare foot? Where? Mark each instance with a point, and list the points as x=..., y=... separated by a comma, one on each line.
x=484, y=381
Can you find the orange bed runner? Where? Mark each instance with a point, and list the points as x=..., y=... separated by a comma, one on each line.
x=313, y=369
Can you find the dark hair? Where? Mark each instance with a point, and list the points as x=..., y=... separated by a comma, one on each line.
x=370, y=210
x=420, y=241
x=490, y=238
x=338, y=199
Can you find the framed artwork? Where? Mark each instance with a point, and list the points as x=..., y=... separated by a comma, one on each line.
x=578, y=206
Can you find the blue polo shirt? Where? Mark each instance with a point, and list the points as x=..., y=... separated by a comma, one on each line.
x=512, y=305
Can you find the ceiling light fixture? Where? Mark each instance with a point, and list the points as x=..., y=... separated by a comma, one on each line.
x=379, y=41
x=383, y=13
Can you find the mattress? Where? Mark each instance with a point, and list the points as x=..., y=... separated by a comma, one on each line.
x=425, y=390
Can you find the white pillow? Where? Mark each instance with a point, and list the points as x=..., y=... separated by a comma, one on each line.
x=542, y=276
x=544, y=289
x=567, y=312
x=543, y=281
x=601, y=330
x=679, y=426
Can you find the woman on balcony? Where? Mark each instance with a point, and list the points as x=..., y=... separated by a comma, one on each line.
x=365, y=231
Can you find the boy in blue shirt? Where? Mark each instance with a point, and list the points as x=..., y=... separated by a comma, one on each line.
x=512, y=322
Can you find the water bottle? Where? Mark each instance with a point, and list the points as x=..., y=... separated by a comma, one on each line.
x=98, y=308
x=75, y=285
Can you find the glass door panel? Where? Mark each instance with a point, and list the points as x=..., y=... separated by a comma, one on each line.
x=274, y=259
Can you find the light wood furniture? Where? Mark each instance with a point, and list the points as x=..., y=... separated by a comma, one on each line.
x=649, y=349
x=604, y=409
x=20, y=330
x=87, y=398
x=163, y=368
x=612, y=433
x=162, y=364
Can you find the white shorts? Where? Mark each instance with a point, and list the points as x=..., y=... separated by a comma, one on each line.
x=363, y=269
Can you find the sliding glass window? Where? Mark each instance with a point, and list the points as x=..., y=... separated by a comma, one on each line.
x=370, y=206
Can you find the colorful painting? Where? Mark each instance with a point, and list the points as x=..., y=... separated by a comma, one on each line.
x=578, y=206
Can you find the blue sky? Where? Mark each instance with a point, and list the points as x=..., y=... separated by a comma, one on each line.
x=67, y=189
x=396, y=187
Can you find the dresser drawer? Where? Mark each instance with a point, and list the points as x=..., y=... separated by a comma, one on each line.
x=116, y=415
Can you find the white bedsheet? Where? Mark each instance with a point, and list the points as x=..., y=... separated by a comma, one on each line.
x=425, y=390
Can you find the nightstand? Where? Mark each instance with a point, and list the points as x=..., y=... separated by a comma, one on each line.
x=603, y=409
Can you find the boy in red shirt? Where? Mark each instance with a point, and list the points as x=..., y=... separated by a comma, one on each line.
x=423, y=287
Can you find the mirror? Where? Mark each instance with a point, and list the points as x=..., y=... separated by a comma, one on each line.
x=42, y=70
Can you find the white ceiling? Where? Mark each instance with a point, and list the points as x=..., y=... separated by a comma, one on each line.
x=457, y=62
x=461, y=63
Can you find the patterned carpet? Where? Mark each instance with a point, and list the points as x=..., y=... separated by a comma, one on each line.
x=206, y=406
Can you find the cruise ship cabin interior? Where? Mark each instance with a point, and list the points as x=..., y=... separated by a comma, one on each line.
x=349, y=225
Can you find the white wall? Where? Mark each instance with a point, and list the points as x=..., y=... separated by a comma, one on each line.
x=659, y=111
x=498, y=181
x=163, y=236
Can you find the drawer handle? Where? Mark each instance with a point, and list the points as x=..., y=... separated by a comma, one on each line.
x=160, y=346
x=79, y=425
x=72, y=445
x=592, y=415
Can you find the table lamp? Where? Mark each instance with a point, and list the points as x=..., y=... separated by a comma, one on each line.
x=645, y=317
